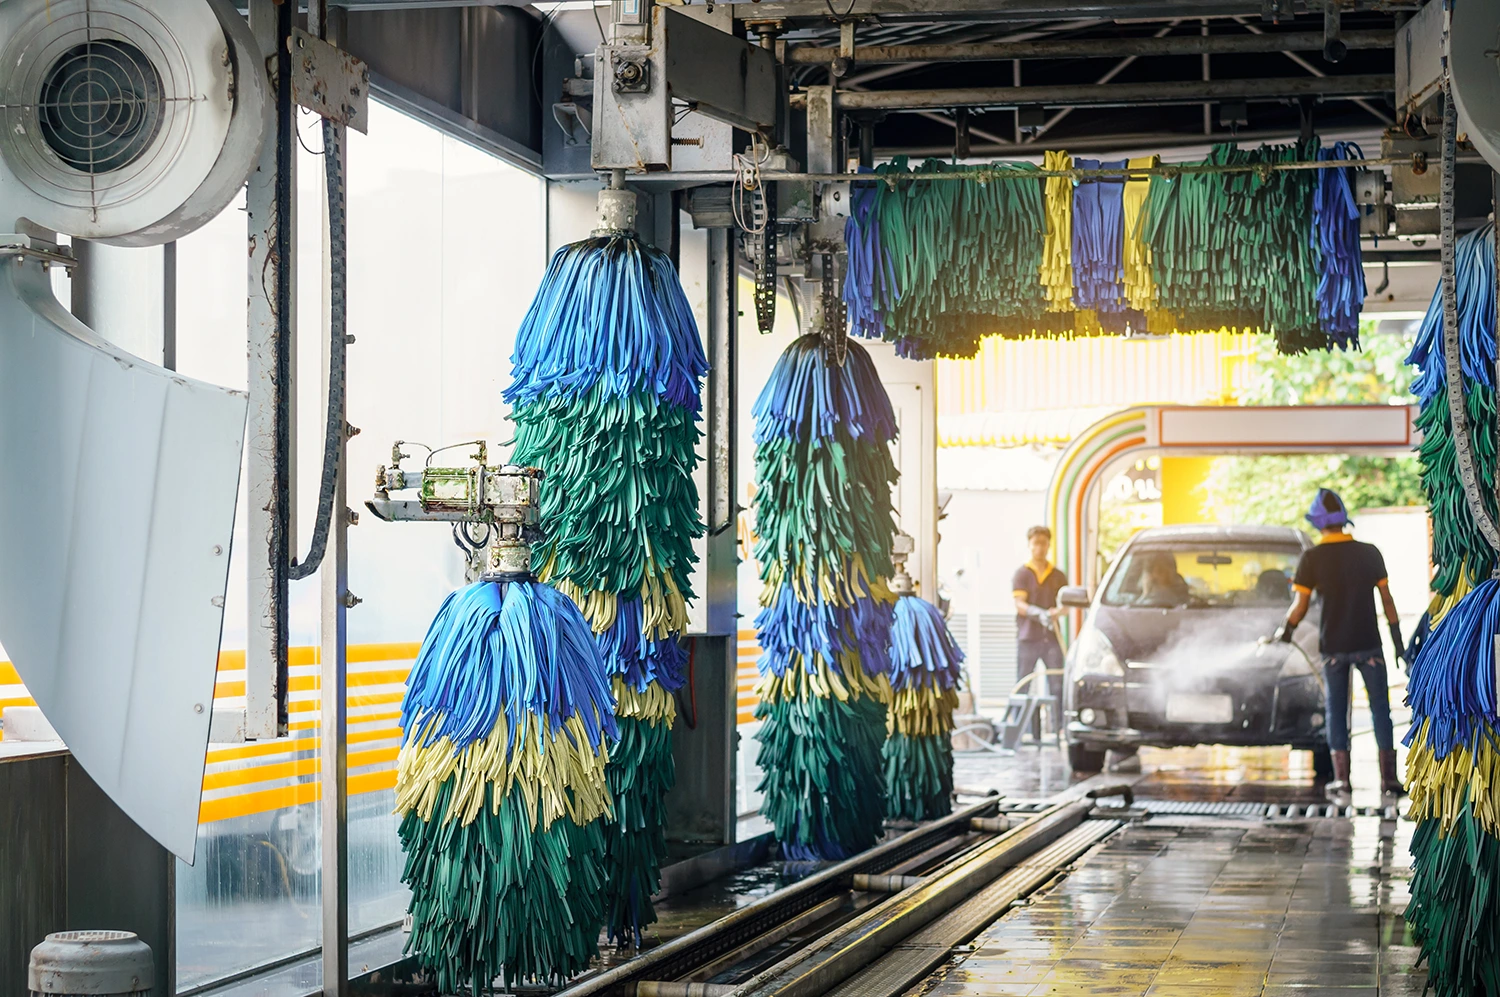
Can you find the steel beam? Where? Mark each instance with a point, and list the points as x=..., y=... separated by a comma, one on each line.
x=816, y=11
x=1094, y=48
x=1121, y=94
x=271, y=214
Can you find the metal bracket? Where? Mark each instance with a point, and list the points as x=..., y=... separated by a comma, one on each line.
x=17, y=244
x=329, y=81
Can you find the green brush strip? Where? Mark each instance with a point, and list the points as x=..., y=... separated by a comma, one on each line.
x=619, y=488
x=496, y=899
x=797, y=485
x=1454, y=912
x=1234, y=250
x=1456, y=541
x=919, y=776
x=640, y=773
x=822, y=781
x=966, y=257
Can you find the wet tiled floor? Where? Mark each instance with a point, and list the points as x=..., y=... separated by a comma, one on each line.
x=1210, y=907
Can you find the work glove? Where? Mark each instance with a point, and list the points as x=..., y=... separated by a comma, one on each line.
x=1283, y=634
x=1038, y=613
x=1397, y=647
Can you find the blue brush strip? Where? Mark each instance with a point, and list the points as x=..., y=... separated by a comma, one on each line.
x=1099, y=239
x=638, y=659
x=870, y=290
x=609, y=310
x=923, y=651
x=1474, y=267
x=518, y=648
x=790, y=626
x=1452, y=680
x=1335, y=235
x=808, y=397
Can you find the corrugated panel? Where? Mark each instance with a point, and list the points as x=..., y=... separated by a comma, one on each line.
x=997, y=657
x=1037, y=375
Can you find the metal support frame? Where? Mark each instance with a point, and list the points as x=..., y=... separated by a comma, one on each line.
x=333, y=687
x=270, y=205
x=1095, y=48
x=1121, y=94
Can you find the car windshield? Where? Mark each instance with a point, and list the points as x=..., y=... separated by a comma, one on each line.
x=1199, y=577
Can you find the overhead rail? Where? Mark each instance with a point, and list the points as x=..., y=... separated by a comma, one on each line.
x=1122, y=94
x=1091, y=48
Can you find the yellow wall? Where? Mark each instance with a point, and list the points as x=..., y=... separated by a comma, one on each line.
x=1182, y=498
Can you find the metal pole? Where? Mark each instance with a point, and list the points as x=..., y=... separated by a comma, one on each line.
x=1156, y=45
x=169, y=306
x=1208, y=109
x=1121, y=94
x=333, y=686
x=270, y=458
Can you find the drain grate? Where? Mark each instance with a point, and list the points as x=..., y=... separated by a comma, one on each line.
x=1205, y=808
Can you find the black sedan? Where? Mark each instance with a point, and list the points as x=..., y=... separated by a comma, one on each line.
x=1170, y=652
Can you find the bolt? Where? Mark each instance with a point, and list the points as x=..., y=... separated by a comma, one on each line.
x=352, y=516
x=197, y=707
x=351, y=429
x=217, y=601
x=351, y=600
x=349, y=339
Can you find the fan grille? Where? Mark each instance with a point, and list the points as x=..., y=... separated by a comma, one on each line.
x=101, y=104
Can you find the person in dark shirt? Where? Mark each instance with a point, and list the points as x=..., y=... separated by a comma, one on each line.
x=1347, y=573
x=1035, y=587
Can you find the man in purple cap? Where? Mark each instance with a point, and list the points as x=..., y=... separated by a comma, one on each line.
x=1346, y=573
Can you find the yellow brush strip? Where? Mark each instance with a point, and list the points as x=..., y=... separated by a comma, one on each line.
x=798, y=683
x=922, y=712
x=556, y=773
x=1438, y=789
x=1140, y=288
x=852, y=583
x=1438, y=608
x=653, y=706
x=663, y=609
x=1057, y=249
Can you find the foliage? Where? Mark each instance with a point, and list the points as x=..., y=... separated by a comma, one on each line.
x=1275, y=490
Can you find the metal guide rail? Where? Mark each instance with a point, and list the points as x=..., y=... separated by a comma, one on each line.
x=816, y=935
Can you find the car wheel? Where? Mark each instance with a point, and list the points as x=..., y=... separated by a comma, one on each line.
x=1322, y=763
x=1086, y=759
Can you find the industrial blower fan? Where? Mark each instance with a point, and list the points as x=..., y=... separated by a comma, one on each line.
x=130, y=123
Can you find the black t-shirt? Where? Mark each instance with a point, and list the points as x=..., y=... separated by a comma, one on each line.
x=1344, y=572
x=1039, y=592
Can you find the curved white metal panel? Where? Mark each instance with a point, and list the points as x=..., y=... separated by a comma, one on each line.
x=115, y=528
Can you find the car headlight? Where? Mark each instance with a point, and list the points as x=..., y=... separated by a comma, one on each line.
x=1096, y=656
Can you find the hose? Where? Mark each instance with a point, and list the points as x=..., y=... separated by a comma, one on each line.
x=335, y=433
x=1457, y=410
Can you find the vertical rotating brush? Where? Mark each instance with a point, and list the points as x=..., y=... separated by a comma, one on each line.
x=925, y=665
x=823, y=476
x=500, y=782
x=608, y=368
x=1453, y=765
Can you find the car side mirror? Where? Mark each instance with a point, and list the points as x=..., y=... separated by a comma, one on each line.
x=1073, y=596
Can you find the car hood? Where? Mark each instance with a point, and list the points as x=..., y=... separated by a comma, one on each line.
x=1186, y=636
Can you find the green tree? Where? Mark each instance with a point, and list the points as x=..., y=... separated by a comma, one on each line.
x=1276, y=490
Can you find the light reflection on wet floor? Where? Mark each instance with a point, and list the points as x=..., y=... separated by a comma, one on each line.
x=1179, y=906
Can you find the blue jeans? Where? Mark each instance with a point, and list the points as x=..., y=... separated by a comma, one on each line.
x=1371, y=665
x=1050, y=654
